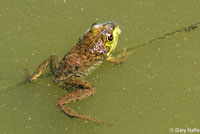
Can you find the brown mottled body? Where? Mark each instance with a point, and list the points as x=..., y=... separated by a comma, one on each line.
x=80, y=61
x=89, y=53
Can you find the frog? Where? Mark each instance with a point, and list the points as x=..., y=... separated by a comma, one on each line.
x=94, y=47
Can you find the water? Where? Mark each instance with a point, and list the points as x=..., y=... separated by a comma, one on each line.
x=156, y=89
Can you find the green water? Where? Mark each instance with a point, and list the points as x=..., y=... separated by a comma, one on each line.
x=156, y=89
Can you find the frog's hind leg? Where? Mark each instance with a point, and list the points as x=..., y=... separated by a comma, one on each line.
x=53, y=61
x=83, y=90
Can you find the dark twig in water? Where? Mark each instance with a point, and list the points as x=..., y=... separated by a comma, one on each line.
x=181, y=30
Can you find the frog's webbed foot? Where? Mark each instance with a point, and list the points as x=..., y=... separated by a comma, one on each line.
x=52, y=61
x=83, y=89
x=119, y=58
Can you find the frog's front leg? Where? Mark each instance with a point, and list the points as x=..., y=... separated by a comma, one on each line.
x=81, y=89
x=53, y=61
x=119, y=58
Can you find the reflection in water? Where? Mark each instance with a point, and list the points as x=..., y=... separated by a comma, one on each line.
x=181, y=30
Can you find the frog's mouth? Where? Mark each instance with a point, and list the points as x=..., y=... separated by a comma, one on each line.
x=113, y=29
x=116, y=33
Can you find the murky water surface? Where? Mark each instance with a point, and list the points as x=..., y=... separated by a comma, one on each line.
x=156, y=89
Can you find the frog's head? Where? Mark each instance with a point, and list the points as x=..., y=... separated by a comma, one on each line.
x=109, y=33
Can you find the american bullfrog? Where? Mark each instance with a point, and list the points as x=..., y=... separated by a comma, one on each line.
x=92, y=49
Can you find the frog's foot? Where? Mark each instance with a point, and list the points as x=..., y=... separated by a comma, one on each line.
x=52, y=61
x=85, y=90
x=120, y=58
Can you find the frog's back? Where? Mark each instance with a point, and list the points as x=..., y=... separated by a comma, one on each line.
x=83, y=58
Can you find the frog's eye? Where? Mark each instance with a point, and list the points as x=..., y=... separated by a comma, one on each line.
x=109, y=37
